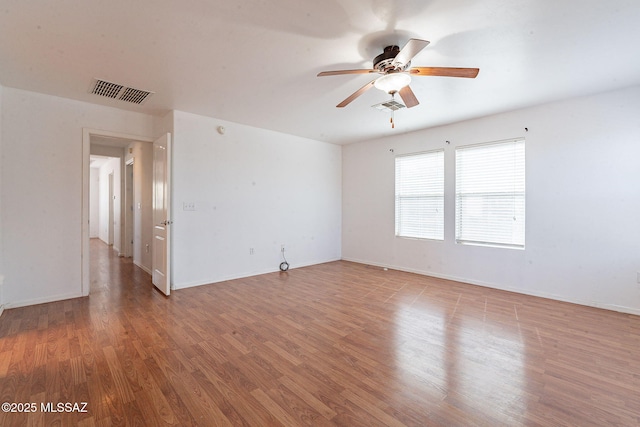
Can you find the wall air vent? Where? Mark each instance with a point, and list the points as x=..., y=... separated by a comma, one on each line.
x=118, y=91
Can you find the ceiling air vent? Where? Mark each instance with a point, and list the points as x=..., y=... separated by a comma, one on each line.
x=120, y=92
x=390, y=105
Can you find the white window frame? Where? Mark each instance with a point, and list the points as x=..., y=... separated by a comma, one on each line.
x=490, y=194
x=419, y=195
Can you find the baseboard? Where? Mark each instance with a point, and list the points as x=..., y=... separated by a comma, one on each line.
x=137, y=264
x=35, y=301
x=1, y=294
x=595, y=304
x=245, y=275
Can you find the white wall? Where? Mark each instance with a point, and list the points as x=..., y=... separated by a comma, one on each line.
x=1, y=232
x=112, y=166
x=42, y=217
x=94, y=203
x=164, y=124
x=583, y=203
x=142, y=154
x=252, y=188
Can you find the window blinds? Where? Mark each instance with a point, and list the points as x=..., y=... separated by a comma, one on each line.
x=490, y=194
x=420, y=195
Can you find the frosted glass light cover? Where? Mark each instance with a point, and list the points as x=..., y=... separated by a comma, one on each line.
x=392, y=82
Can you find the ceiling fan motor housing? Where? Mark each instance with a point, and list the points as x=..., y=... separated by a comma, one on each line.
x=384, y=62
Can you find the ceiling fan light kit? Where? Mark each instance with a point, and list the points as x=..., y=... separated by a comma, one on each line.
x=395, y=66
x=392, y=83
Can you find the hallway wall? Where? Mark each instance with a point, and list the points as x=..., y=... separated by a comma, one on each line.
x=111, y=167
x=142, y=154
x=94, y=203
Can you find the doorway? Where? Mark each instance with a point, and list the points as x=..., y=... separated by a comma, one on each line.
x=129, y=197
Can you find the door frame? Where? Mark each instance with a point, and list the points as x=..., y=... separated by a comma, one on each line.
x=87, y=133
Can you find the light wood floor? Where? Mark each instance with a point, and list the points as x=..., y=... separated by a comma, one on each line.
x=333, y=344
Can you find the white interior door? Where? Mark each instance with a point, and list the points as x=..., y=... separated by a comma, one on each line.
x=128, y=210
x=111, y=216
x=161, y=259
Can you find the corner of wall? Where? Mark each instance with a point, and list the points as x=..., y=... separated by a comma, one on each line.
x=1, y=294
x=164, y=124
x=1, y=230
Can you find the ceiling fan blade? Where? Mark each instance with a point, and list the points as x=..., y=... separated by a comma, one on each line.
x=356, y=94
x=470, y=73
x=408, y=97
x=409, y=50
x=338, y=72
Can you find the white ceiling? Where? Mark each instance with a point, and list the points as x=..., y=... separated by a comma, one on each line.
x=255, y=61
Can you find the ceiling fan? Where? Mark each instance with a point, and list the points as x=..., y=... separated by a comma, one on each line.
x=395, y=66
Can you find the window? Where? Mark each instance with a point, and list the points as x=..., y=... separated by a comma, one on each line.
x=490, y=194
x=420, y=195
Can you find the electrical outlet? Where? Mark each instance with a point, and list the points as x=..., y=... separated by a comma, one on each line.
x=251, y=251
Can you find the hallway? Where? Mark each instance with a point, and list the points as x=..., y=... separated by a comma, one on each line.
x=113, y=276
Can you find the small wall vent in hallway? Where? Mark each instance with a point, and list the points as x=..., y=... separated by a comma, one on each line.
x=120, y=92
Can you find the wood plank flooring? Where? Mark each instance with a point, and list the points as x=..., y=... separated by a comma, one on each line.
x=334, y=344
